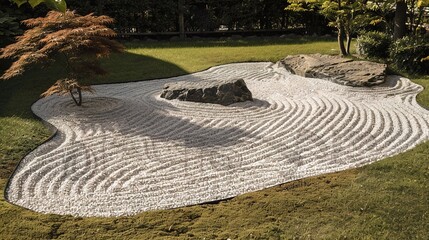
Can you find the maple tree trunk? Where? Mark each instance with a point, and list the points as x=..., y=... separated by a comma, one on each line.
x=340, y=27
x=79, y=100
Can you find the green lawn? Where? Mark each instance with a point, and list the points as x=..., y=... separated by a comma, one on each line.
x=385, y=200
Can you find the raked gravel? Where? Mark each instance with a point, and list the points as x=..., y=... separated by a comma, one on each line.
x=126, y=150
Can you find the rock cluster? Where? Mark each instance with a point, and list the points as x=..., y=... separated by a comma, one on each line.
x=340, y=70
x=224, y=92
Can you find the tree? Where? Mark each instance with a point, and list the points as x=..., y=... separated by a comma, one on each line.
x=78, y=40
x=417, y=14
x=57, y=5
x=379, y=15
x=306, y=13
x=345, y=15
x=402, y=17
x=400, y=28
x=335, y=12
x=340, y=13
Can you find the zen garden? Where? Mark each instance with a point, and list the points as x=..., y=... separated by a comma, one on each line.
x=203, y=119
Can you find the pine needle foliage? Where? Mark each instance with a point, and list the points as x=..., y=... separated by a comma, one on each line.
x=80, y=40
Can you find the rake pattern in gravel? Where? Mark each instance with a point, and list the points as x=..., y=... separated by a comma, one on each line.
x=126, y=150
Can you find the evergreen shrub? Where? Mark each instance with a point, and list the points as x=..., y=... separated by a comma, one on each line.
x=373, y=45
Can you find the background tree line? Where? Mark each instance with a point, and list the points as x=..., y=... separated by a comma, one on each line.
x=199, y=15
x=145, y=16
x=380, y=24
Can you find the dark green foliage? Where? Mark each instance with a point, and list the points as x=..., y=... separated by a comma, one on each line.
x=9, y=27
x=57, y=5
x=307, y=14
x=408, y=54
x=200, y=15
x=373, y=45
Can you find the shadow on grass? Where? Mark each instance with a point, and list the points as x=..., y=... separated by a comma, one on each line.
x=243, y=42
x=18, y=94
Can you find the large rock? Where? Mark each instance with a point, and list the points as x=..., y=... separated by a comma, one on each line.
x=224, y=92
x=337, y=69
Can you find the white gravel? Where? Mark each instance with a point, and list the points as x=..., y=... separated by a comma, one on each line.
x=126, y=150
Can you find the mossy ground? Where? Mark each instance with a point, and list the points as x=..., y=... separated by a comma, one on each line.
x=385, y=200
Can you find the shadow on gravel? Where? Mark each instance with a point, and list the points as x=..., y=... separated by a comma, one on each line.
x=18, y=94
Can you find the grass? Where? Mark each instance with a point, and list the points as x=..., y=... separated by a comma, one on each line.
x=152, y=60
x=384, y=200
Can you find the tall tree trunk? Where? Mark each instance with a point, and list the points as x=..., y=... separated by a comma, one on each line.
x=340, y=28
x=181, y=20
x=79, y=100
x=400, y=28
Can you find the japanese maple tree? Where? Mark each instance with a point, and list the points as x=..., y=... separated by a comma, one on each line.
x=81, y=40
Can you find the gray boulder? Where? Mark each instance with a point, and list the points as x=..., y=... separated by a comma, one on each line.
x=340, y=70
x=224, y=92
